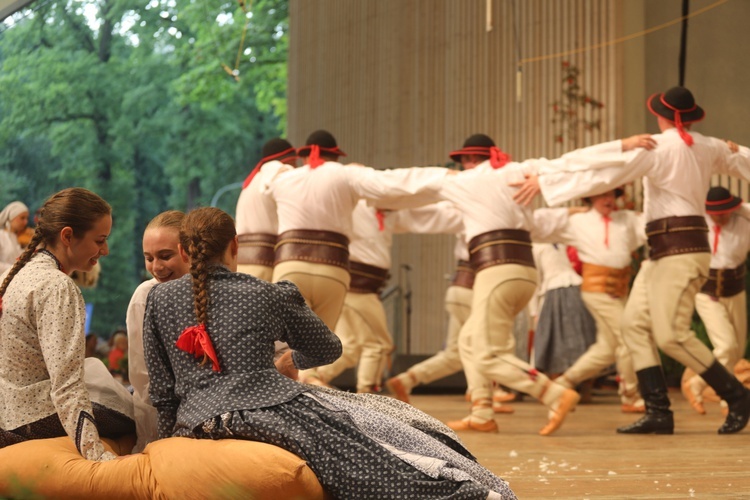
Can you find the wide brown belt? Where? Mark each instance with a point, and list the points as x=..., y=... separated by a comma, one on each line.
x=603, y=279
x=725, y=282
x=320, y=247
x=505, y=246
x=464, y=275
x=677, y=235
x=256, y=249
x=366, y=278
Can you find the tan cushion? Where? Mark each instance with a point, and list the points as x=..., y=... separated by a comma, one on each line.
x=229, y=468
x=53, y=468
x=171, y=468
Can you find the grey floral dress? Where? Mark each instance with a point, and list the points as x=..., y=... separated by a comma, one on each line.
x=359, y=446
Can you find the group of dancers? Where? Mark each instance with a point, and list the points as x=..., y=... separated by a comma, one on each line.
x=214, y=353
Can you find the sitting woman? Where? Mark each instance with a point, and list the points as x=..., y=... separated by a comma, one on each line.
x=209, y=340
x=13, y=221
x=163, y=261
x=42, y=365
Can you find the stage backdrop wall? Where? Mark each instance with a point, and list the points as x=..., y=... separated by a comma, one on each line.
x=404, y=82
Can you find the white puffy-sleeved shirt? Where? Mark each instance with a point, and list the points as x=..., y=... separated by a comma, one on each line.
x=676, y=177
x=10, y=250
x=323, y=198
x=145, y=413
x=256, y=209
x=485, y=198
x=603, y=242
x=42, y=354
x=730, y=249
x=371, y=245
x=246, y=316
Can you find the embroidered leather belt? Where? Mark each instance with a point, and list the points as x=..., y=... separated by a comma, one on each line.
x=320, y=247
x=505, y=246
x=609, y=280
x=464, y=275
x=725, y=282
x=677, y=235
x=256, y=249
x=366, y=278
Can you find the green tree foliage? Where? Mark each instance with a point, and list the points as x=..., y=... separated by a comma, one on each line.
x=153, y=107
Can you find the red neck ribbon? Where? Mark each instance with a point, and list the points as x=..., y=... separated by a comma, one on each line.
x=380, y=215
x=195, y=340
x=717, y=232
x=606, y=220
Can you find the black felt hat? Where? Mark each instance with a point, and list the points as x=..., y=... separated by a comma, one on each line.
x=720, y=201
x=325, y=142
x=477, y=144
x=676, y=105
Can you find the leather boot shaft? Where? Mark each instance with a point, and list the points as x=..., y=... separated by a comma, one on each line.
x=658, y=418
x=729, y=389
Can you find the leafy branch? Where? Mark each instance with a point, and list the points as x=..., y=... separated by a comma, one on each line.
x=575, y=111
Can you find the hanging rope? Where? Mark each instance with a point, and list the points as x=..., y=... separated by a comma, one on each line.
x=624, y=38
x=683, y=40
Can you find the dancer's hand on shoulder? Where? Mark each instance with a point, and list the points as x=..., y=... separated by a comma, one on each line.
x=644, y=141
x=527, y=189
x=733, y=146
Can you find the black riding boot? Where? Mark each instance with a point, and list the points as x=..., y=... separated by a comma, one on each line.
x=658, y=418
x=729, y=389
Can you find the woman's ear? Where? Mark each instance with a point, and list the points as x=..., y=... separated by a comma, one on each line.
x=235, y=244
x=66, y=236
x=183, y=254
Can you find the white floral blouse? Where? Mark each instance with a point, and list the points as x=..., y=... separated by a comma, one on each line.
x=42, y=352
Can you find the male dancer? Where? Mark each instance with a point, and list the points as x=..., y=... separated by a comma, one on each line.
x=315, y=204
x=500, y=251
x=676, y=167
x=362, y=326
x=722, y=303
x=256, y=221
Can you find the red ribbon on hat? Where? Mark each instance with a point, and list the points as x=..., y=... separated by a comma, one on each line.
x=678, y=120
x=315, y=160
x=195, y=340
x=498, y=158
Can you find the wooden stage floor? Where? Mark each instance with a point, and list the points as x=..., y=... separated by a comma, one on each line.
x=585, y=458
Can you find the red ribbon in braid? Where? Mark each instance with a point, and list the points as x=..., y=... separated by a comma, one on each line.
x=195, y=340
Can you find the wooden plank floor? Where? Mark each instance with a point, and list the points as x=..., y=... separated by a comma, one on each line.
x=587, y=459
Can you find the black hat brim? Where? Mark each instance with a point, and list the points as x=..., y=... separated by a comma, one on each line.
x=659, y=109
x=471, y=150
x=724, y=208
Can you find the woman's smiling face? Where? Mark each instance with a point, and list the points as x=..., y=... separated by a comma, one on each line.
x=161, y=254
x=85, y=251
